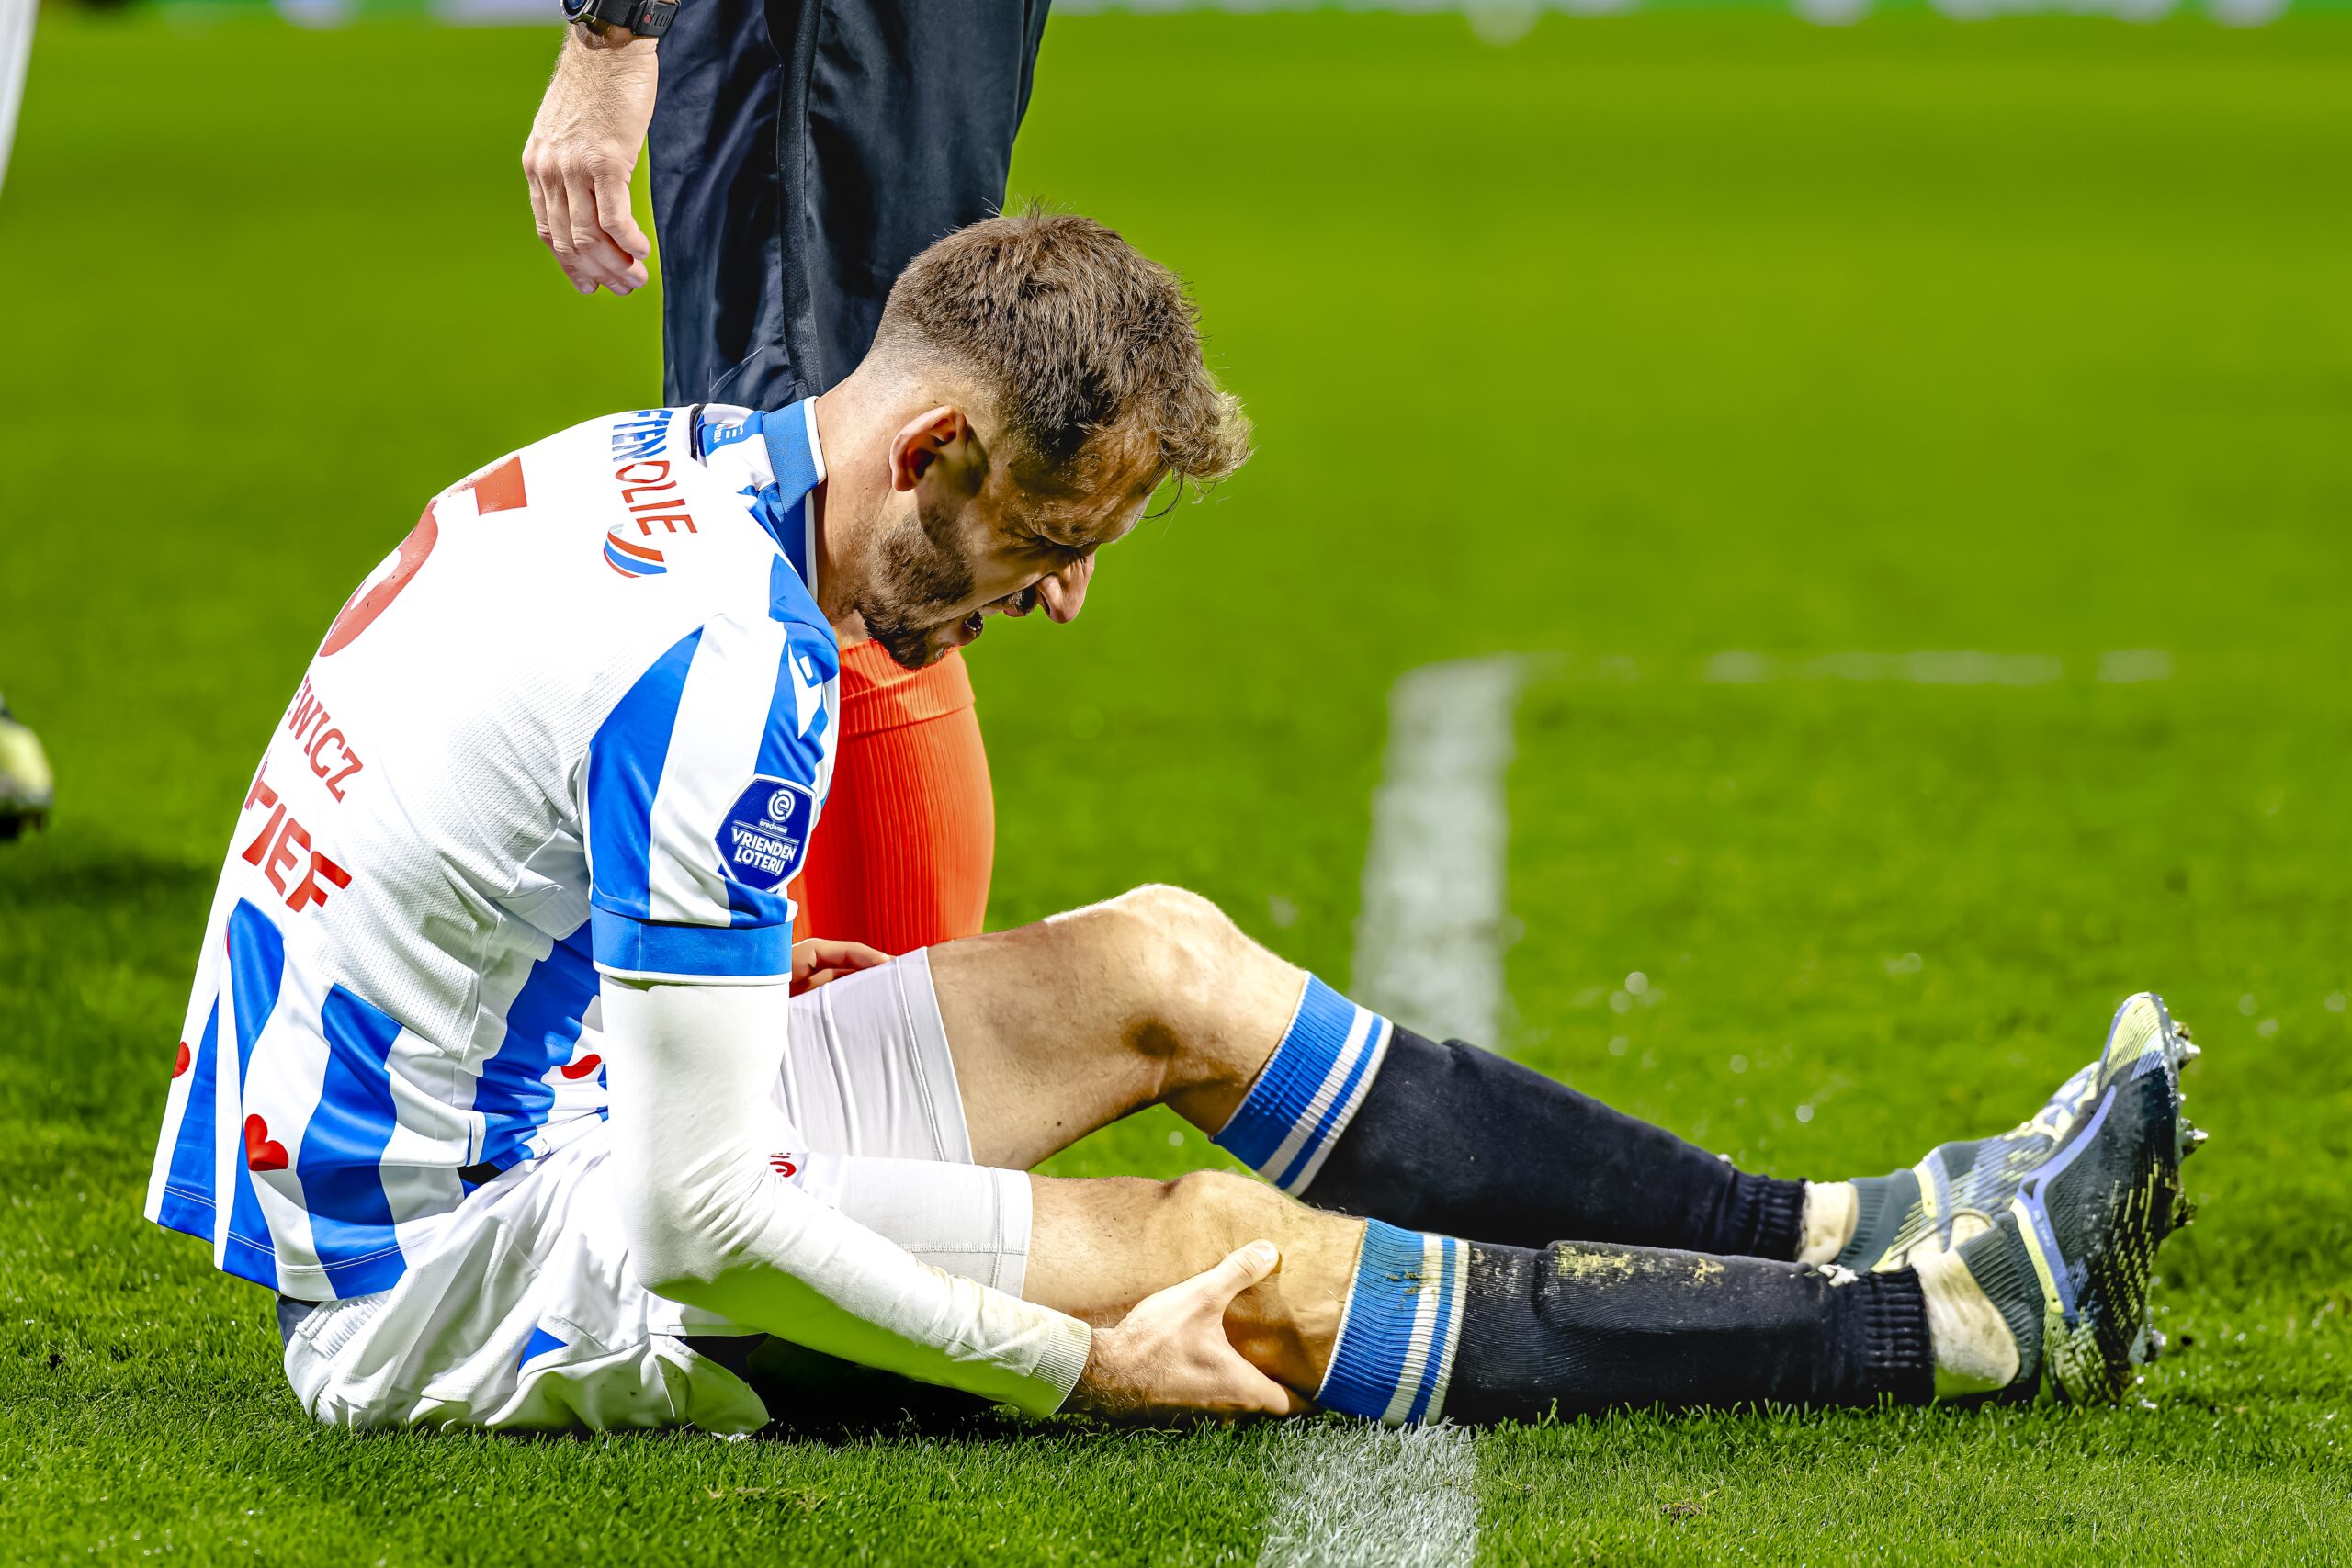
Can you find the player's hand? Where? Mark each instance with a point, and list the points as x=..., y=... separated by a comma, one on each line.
x=1171, y=1354
x=817, y=961
x=581, y=152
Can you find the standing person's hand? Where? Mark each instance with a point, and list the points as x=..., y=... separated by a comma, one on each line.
x=581, y=152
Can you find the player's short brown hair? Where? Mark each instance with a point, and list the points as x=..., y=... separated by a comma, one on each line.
x=1089, y=350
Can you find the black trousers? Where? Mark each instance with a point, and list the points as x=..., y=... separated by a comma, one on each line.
x=803, y=152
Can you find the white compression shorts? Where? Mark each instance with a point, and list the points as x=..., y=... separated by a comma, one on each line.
x=525, y=1312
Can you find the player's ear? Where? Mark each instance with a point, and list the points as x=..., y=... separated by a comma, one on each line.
x=934, y=434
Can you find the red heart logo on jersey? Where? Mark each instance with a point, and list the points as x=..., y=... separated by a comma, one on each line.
x=261, y=1151
x=179, y=1066
x=582, y=1068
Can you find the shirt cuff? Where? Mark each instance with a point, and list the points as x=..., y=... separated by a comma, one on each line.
x=1064, y=1362
x=632, y=948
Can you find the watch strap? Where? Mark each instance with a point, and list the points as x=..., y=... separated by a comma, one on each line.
x=645, y=18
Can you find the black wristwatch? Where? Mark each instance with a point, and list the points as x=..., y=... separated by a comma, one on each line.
x=645, y=18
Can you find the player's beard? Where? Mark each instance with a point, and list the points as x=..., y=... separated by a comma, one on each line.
x=922, y=577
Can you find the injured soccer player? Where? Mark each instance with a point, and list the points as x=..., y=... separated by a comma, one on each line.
x=502, y=1073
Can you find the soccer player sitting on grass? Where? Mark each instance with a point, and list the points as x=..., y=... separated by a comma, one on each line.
x=501, y=1071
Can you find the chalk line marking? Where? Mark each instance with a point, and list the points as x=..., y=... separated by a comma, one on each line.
x=1428, y=947
x=1428, y=954
x=1375, y=1496
x=1932, y=667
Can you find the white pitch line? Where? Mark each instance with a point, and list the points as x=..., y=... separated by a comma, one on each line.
x=1428, y=948
x=1929, y=667
x=1428, y=954
x=1373, y=1497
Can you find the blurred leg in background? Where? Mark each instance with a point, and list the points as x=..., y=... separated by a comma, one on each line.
x=26, y=787
x=802, y=153
x=15, y=58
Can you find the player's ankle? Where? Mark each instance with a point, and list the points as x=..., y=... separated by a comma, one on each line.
x=1974, y=1350
x=1828, y=1226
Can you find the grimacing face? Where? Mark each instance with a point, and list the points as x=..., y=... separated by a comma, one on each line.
x=953, y=555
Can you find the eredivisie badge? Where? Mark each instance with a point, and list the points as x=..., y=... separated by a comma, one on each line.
x=766, y=832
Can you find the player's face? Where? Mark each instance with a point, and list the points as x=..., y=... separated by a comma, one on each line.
x=957, y=553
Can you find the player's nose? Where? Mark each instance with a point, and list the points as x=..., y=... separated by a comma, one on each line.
x=1065, y=591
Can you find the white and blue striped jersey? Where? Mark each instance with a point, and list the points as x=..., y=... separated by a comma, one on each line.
x=582, y=720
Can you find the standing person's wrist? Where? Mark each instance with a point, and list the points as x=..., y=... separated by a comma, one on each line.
x=605, y=35
x=617, y=24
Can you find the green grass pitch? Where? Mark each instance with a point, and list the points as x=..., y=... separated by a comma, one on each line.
x=1639, y=342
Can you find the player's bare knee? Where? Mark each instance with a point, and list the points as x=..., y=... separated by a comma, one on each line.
x=1219, y=1211
x=1167, y=919
x=1187, y=944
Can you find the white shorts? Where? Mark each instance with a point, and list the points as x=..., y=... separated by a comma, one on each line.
x=521, y=1312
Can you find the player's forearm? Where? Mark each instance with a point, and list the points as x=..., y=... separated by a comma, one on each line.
x=712, y=1225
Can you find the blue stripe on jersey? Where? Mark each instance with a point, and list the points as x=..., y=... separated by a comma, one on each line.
x=341, y=1164
x=624, y=763
x=187, y=1191
x=791, y=602
x=629, y=946
x=539, y=1344
x=542, y=1029
x=256, y=969
x=790, y=747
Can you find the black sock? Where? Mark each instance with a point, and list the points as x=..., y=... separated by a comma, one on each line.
x=1576, y=1327
x=1354, y=1115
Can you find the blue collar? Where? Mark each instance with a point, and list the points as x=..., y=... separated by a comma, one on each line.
x=793, y=457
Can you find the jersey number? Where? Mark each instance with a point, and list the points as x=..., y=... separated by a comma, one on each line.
x=361, y=612
x=500, y=490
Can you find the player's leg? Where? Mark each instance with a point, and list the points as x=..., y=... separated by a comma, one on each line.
x=27, y=787
x=796, y=174
x=17, y=19
x=902, y=854
x=1377, y=1321
x=792, y=184
x=1156, y=997
x=712, y=163
x=908, y=122
x=1960, y=1189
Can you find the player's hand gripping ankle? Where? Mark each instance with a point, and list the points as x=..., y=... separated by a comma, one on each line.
x=1171, y=1354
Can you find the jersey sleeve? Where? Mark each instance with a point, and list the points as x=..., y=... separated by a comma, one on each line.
x=703, y=787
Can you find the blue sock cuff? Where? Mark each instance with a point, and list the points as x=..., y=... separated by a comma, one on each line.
x=1395, y=1355
x=1309, y=1089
